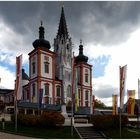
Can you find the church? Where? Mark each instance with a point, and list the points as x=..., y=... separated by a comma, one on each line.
x=63, y=77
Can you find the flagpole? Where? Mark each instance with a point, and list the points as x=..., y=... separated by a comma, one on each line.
x=138, y=104
x=18, y=86
x=120, y=124
x=72, y=96
x=16, y=117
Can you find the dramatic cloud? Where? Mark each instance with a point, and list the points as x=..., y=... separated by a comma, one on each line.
x=109, y=30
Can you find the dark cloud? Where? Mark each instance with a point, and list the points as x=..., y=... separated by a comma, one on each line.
x=106, y=23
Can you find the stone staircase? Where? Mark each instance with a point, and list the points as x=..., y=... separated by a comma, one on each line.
x=88, y=132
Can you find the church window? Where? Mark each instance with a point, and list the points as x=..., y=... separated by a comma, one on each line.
x=86, y=78
x=33, y=67
x=62, y=41
x=86, y=98
x=46, y=58
x=33, y=89
x=46, y=89
x=58, y=91
x=67, y=46
x=46, y=67
x=86, y=75
x=86, y=95
x=58, y=94
x=28, y=95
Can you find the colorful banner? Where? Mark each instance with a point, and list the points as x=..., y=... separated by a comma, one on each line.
x=40, y=97
x=93, y=103
x=19, y=77
x=122, y=84
x=131, y=101
x=75, y=89
x=115, y=104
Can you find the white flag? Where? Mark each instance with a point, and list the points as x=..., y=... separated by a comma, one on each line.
x=19, y=77
x=122, y=84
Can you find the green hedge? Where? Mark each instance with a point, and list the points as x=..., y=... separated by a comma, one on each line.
x=108, y=121
x=51, y=118
x=46, y=119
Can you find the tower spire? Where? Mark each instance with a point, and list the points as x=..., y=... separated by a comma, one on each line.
x=41, y=42
x=41, y=31
x=62, y=29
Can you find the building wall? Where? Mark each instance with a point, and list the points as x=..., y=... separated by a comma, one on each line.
x=33, y=58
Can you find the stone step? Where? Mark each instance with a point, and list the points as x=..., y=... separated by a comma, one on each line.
x=89, y=133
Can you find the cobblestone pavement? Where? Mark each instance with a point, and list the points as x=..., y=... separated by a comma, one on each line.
x=12, y=136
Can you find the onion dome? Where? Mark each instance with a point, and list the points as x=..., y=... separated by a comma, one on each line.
x=81, y=57
x=41, y=42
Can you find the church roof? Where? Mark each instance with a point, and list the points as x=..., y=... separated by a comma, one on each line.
x=24, y=75
x=41, y=42
x=81, y=57
x=47, y=107
x=62, y=29
x=5, y=91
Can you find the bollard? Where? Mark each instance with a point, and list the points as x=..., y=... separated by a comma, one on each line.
x=3, y=123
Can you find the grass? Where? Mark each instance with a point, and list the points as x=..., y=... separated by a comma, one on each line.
x=126, y=133
x=55, y=132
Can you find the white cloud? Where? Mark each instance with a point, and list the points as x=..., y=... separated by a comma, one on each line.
x=12, y=44
x=126, y=53
x=7, y=78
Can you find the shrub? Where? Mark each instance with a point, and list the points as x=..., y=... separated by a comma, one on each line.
x=51, y=118
x=28, y=120
x=102, y=122
x=46, y=119
x=108, y=121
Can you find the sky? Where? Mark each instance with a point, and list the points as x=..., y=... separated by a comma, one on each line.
x=110, y=32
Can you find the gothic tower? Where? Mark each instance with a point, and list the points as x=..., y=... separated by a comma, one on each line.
x=63, y=50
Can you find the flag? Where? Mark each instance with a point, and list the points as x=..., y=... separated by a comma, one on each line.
x=40, y=97
x=19, y=77
x=122, y=84
x=76, y=102
x=131, y=102
x=73, y=85
x=75, y=89
x=138, y=89
x=115, y=104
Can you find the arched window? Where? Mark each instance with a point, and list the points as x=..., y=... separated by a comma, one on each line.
x=46, y=87
x=58, y=90
x=33, y=67
x=33, y=89
x=86, y=75
x=86, y=95
x=46, y=67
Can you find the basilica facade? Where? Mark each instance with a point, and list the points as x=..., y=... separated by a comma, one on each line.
x=59, y=73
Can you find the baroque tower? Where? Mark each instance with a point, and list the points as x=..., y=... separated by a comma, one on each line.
x=63, y=51
x=41, y=61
